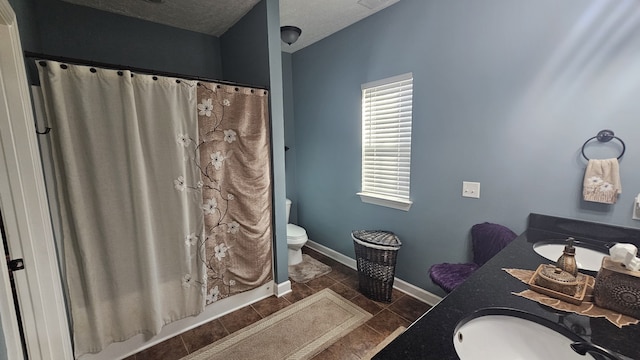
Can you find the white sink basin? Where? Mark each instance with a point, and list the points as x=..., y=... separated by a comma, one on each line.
x=506, y=337
x=586, y=258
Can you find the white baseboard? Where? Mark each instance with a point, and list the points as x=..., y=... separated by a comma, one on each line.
x=398, y=284
x=282, y=288
x=343, y=259
x=418, y=293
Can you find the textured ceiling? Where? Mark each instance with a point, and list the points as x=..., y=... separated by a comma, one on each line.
x=317, y=18
x=211, y=17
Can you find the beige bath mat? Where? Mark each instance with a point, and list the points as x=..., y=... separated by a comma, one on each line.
x=298, y=331
x=308, y=270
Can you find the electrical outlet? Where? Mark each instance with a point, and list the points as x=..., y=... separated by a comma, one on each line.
x=471, y=189
x=636, y=208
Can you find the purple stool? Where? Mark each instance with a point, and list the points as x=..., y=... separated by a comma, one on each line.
x=487, y=240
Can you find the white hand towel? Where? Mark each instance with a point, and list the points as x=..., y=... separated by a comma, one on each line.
x=602, y=181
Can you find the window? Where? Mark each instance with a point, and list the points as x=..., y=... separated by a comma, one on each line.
x=386, y=141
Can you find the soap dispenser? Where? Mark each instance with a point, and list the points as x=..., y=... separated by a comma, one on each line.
x=567, y=260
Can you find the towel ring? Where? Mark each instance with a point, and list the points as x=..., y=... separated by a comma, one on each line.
x=605, y=136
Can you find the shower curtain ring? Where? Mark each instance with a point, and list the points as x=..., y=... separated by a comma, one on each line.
x=46, y=131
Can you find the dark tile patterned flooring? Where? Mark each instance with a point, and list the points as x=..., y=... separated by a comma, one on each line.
x=387, y=317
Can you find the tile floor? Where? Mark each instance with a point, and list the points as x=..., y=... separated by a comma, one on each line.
x=387, y=317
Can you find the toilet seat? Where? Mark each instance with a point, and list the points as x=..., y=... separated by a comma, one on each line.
x=296, y=234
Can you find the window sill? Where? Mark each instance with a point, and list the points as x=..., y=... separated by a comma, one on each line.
x=387, y=201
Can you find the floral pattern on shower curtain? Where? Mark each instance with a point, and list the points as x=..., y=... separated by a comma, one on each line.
x=235, y=167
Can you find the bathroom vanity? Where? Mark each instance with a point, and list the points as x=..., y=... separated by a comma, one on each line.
x=432, y=336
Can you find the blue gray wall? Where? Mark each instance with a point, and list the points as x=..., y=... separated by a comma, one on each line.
x=289, y=135
x=27, y=24
x=245, y=52
x=505, y=93
x=59, y=28
x=276, y=102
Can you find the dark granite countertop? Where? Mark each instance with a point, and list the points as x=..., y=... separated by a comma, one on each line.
x=431, y=336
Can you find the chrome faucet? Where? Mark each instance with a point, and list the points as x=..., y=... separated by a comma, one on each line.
x=583, y=347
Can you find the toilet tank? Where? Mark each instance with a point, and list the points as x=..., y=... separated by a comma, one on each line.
x=288, y=209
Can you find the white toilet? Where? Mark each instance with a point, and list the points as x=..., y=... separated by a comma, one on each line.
x=296, y=238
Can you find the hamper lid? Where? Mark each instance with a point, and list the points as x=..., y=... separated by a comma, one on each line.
x=377, y=237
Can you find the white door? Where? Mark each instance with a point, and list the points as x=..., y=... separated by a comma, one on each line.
x=26, y=217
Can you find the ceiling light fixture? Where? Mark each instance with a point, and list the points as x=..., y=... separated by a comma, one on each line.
x=290, y=34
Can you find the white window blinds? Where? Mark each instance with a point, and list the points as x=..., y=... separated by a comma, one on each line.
x=386, y=138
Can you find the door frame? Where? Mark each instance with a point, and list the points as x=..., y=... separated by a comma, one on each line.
x=25, y=211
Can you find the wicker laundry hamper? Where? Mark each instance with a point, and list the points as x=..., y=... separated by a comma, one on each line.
x=376, y=253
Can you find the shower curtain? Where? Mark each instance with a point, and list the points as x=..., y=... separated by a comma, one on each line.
x=136, y=182
x=235, y=164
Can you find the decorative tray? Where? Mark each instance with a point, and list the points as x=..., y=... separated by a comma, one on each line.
x=577, y=299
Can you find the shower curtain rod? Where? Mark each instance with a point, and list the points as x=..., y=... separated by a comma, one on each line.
x=29, y=54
